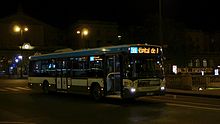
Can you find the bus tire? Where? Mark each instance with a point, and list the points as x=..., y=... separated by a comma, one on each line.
x=96, y=92
x=126, y=96
x=45, y=87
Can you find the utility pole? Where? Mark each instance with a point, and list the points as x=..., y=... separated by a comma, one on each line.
x=160, y=23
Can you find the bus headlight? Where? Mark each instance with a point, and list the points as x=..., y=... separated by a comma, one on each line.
x=133, y=90
x=162, y=88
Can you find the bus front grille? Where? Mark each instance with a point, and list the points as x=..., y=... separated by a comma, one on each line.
x=148, y=83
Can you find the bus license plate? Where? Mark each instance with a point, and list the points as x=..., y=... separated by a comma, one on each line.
x=149, y=94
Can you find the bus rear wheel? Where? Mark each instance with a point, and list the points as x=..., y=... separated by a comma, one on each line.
x=96, y=92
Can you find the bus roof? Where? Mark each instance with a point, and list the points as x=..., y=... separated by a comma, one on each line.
x=89, y=52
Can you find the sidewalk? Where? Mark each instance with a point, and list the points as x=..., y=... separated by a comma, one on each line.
x=214, y=93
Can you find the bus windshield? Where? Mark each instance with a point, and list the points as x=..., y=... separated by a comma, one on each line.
x=144, y=66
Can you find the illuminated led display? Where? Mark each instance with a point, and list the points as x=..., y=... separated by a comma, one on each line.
x=95, y=58
x=145, y=50
x=133, y=49
x=91, y=58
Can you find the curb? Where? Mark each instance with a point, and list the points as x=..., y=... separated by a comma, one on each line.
x=197, y=94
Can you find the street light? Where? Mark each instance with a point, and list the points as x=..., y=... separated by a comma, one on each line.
x=160, y=23
x=21, y=29
x=84, y=32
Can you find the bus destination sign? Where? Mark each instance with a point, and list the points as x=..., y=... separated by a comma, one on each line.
x=144, y=50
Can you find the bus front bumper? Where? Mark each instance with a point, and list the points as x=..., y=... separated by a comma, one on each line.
x=139, y=92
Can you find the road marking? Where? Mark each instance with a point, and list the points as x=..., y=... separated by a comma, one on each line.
x=190, y=106
x=15, y=89
x=23, y=88
x=12, y=89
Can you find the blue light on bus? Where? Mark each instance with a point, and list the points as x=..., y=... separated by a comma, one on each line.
x=92, y=58
x=50, y=65
x=133, y=49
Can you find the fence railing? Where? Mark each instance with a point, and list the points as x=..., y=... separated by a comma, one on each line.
x=189, y=82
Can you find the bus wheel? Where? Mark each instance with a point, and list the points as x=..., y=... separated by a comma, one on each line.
x=45, y=87
x=126, y=96
x=96, y=92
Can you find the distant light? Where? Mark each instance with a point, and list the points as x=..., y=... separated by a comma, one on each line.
x=119, y=37
x=78, y=32
x=27, y=46
x=85, y=31
x=26, y=29
x=104, y=50
x=175, y=69
x=203, y=72
x=17, y=28
x=16, y=60
x=216, y=72
x=200, y=88
x=20, y=57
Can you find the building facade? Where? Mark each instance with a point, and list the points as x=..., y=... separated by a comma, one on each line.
x=90, y=34
x=22, y=36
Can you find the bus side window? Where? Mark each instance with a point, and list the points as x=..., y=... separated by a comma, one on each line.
x=79, y=67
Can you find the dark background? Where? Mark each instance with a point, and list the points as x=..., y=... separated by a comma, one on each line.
x=196, y=14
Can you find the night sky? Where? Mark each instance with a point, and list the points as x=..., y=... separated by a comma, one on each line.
x=197, y=14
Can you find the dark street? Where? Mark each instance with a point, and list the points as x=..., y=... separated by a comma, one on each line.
x=27, y=107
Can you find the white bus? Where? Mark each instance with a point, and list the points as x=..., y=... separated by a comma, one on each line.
x=126, y=71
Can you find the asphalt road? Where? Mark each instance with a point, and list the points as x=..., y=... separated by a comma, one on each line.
x=19, y=105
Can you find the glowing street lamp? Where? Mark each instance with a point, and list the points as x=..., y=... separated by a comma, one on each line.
x=83, y=33
x=26, y=46
x=21, y=29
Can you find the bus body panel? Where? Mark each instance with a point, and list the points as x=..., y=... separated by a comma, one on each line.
x=100, y=81
x=134, y=68
x=36, y=82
